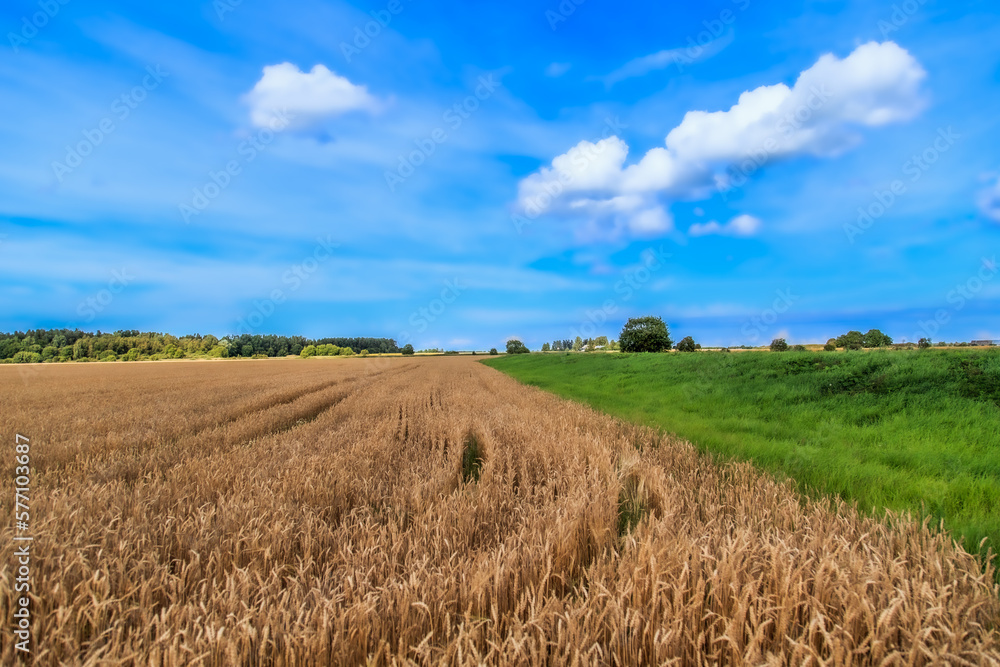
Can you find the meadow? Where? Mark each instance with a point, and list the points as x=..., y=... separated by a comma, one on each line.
x=915, y=431
x=435, y=511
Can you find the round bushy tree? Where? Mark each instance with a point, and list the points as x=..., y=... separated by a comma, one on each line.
x=407, y=350
x=514, y=346
x=852, y=340
x=493, y=350
x=924, y=343
x=645, y=334
x=779, y=345
x=687, y=344
x=830, y=347
x=875, y=338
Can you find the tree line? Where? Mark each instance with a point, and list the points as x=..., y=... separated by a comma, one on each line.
x=53, y=345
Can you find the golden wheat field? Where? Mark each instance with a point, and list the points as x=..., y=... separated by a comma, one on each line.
x=434, y=511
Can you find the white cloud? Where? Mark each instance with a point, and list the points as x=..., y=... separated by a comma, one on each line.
x=305, y=96
x=663, y=59
x=989, y=201
x=878, y=83
x=557, y=69
x=742, y=225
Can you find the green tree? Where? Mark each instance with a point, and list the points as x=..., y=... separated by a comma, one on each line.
x=924, y=343
x=308, y=351
x=645, y=334
x=546, y=347
x=779, y=345
x=578, y=344
x=687, y=344
x=407, y=350
x=852, y=340
x=493, y=350
x=875, y=338
x=514, y=346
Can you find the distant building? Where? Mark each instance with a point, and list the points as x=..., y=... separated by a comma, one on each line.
x=984, y=343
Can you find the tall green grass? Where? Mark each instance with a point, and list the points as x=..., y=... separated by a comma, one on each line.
x=904, y=430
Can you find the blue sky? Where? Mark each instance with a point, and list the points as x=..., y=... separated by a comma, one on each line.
x=455, y=174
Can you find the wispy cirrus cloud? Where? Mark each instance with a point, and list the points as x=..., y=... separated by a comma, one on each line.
x=742, y=225
x=681, y=56
x=989, y=201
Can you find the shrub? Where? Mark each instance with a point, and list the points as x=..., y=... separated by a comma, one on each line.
x=25, y=357
x=407, y=350
x=363, y=353
x=779, y=345
x=346, y=352
x=132, y=355
x=798, y=348
x=308, y=351
x=514, y=346
x=830, y=347
x=687, y=344
x=645, y=334
x=924, y=343
x=493, y=350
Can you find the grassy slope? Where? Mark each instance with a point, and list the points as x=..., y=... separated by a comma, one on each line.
x=916, y=431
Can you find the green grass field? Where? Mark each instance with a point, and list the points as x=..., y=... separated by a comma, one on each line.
x=905, y=430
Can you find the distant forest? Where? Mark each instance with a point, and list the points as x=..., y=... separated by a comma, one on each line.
x=130, y=345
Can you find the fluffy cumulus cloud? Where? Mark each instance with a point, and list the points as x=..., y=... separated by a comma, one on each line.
x=989, y=201
x=285, y=90
x=741, y=225
x=820, y=115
